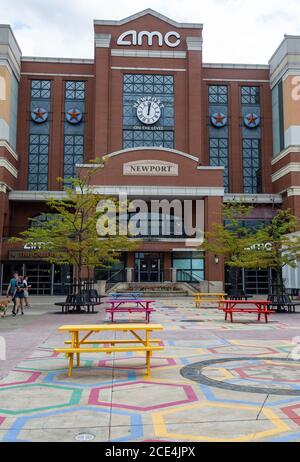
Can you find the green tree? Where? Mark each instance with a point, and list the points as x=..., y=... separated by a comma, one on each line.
x=273, y=245
x=233, y=241
x=278, y=245
x=69, y=231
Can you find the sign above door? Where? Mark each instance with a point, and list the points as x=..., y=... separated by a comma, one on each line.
x=150, y=168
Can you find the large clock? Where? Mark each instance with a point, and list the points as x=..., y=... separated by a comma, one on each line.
x=148, y=112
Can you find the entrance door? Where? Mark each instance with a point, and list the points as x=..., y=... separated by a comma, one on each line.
x=39, y=277
x=257, y=282
x=252, y=281
x=148, y=267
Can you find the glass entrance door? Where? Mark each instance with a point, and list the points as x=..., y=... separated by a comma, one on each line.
x=148, y=267
x=252, y=281
x=39, y=277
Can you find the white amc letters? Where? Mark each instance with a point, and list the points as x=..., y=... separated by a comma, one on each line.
x=136, y=38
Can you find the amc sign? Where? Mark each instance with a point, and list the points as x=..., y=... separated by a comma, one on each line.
x=132, y=37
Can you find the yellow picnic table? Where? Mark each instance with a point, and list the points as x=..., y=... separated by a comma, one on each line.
x=209, y=297
x=138, y=343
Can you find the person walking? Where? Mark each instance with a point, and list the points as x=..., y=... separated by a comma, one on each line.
x=11, y=290
x=19, y=296
x=26, y=293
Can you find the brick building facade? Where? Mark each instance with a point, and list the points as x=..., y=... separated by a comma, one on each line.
x=170, y=126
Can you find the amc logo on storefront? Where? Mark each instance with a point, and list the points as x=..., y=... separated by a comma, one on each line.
x=132, y=37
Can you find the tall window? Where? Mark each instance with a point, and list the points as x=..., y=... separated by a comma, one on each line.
x=159, y=133
x=38, y=162
x=252, y=166
x=251, y=135
x=278, y=118
x=218, y=153
x=73, y=153
x=73, y=126
x=218, y=129
x=39, y=131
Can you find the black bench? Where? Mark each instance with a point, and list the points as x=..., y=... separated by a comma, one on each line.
x=282, y=302
x=292, y=292
x=75, y=302
x=92, y=295
x=237, y=295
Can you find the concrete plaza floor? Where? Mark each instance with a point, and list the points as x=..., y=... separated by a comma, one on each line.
x=214, y=381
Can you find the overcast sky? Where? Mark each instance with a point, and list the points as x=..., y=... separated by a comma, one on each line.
x=235, y=31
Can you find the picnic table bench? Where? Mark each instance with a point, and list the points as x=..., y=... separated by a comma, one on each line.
x=130, y=306
x=123, y=295
x=237, y=294
x=246, y=306
x=77, y=345
x=283, y=301
x=208, y=297
x=76, y=302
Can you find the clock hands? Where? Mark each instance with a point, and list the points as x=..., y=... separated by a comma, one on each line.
x=148, y=112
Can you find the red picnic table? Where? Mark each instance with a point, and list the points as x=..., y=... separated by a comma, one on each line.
x=246, y=306
x=130, y=306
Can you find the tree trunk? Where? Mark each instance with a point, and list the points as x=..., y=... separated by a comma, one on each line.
x=278, y=288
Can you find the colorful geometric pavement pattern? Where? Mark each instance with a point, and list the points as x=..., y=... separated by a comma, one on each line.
x=214, y=381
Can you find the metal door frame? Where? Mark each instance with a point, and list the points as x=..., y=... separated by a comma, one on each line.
x=158, y=272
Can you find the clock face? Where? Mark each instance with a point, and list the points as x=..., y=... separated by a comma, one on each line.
x=148, y=112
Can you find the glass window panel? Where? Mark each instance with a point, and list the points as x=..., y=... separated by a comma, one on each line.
x=198, y=275
x=38, y=162
x=147, y=85
x=41, y=89
x=217, y=94
x=182, y=264
x=198, y=264
x=73, y=153
x=252, y=166
x=250, y=95
x=218, y=153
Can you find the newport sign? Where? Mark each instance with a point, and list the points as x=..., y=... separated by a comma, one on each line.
x=150, y=168
x=132, y=37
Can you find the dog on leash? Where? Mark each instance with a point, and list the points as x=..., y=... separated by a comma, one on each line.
x=3, y=306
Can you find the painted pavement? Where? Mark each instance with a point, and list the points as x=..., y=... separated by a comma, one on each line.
x=215, y=381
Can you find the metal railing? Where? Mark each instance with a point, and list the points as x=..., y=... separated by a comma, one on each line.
x=187, y=276
x=111, y=276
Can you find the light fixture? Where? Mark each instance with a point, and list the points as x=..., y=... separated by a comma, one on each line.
x=216, y=259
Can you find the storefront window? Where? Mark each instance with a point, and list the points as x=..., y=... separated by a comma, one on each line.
x=189, y=266
x=112, y=273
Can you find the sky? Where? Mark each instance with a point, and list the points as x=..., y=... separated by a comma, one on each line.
x=235, y=31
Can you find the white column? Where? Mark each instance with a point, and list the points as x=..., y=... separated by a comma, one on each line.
x=174, y=274
x=129, y=274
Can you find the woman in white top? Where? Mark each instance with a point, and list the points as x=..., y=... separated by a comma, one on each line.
x=26, y=294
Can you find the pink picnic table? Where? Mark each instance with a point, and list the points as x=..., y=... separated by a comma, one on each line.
x=130, y=306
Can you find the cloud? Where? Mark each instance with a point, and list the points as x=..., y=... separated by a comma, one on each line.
x=234, y=30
